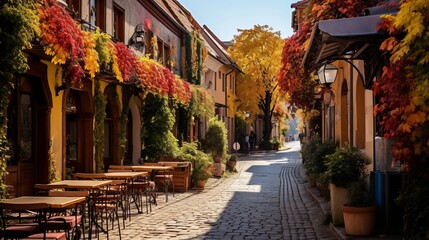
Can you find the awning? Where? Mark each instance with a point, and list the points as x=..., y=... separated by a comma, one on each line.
x=354, y=38
x=351, y=27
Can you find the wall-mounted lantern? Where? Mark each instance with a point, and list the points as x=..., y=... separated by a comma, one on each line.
x=327, y=75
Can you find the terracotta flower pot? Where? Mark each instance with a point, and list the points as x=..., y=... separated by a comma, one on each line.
x=200, y=183
x=339, y=197
x=359, y=221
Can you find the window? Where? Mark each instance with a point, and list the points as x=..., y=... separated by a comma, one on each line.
x=98, y=13
x=118, y=23
x=149, y=50
x=160, y=53
x=167, y=56
x=215, y=80
x=223, y=82
x=74, y=6
x=71, y=129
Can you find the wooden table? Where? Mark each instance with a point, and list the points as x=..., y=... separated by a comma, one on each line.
x=92, y=186
x=124, y=175
x=52, y=202
x=150, y=168
x=83, y=184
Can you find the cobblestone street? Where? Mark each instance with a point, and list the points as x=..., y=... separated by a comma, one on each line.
x=266, y=199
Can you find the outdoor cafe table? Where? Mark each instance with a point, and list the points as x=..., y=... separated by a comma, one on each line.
x=83, y=184
x=26, y=203
x=151, y=168
x=91, y=186
x=127, y=176
x=53, y=202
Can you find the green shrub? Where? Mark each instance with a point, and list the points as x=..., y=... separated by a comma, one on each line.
x=201, y=161
x=314, y=154
x=346, y=166
x=215, y=141
x=157, y=123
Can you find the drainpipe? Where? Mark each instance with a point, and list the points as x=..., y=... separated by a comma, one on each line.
x=226, y=104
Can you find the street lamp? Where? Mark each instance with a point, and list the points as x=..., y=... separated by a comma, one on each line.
x=327, y=74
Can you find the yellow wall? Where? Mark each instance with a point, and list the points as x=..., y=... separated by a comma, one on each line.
x=56, y=120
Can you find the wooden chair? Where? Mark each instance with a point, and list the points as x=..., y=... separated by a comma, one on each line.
x=119, y=189
x=72, y=223
x=93, y=176
x=20, y=221
x=106, y=204
x=163, y=180
x=43, y=189
x=120, y=167
x=34, y=229
x=49, y=236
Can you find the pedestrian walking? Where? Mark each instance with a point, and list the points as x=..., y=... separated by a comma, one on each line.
x=252, y=139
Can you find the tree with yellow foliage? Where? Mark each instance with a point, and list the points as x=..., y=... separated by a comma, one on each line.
x=257, y=52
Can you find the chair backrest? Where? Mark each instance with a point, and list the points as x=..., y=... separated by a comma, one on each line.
x=42, y=189
x=120, y=167
x=42, y=186
x=69, y=194
x=89, y=175
x=153, y=164
x=119, y=170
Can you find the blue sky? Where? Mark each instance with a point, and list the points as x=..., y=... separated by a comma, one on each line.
x=224, y=17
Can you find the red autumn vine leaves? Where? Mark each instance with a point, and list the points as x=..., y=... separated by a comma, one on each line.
x=71, y=47
x=293, y=78
x=403, y=108
x=61, y=38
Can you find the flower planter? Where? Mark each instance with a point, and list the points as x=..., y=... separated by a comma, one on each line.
x=200, y=183
x=339, y=197
x=359, y=221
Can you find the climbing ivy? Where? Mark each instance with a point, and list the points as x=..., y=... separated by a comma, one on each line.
x=123, y=133
x=100, y=115
x=18, y=27
x=196, y=53
x=157, y=124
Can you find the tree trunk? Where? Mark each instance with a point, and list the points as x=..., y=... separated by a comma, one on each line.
x=267, y=116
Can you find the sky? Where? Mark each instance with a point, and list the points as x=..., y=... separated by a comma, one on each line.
x=224, y=17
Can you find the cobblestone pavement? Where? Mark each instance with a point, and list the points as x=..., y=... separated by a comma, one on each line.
x=266, y=199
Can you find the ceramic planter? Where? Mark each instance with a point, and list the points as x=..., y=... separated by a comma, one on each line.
x=339, y=197
x=359, y=221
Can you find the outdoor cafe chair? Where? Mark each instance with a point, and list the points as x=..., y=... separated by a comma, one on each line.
x=21, y=221
x=31, y=218
x=163, y=179
x=137, y=188
x=106, y=204
x=118, y=189
x=72, y=222
x=44, y=189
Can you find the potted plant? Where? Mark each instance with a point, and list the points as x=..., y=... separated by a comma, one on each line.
x=231, y=165
x=314, y=153
x=360, y=211
x=343, y=168
x=201, y=170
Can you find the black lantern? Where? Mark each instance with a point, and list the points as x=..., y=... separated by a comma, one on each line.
x=327, y=74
